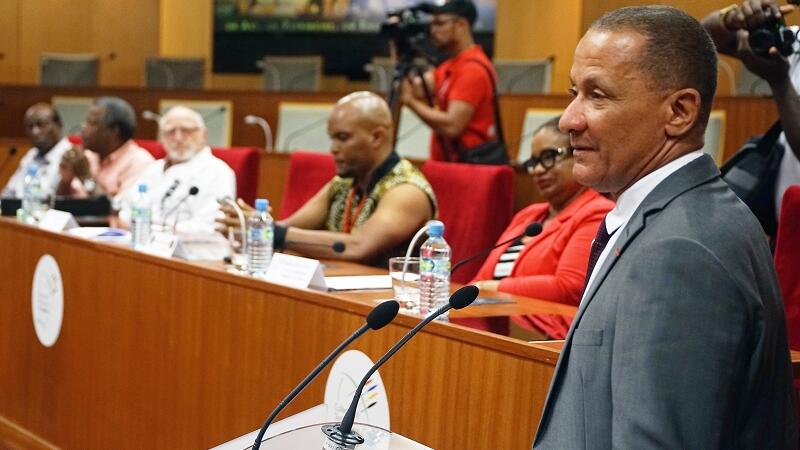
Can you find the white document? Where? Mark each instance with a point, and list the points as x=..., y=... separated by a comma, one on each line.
x=55, y=220
x=104, y=234
x=296, y=271
x=358, y=282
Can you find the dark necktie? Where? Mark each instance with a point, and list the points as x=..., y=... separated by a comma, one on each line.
x=598, y=244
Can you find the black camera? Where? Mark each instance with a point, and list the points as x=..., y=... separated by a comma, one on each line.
x=407, y=30
x=774, y=33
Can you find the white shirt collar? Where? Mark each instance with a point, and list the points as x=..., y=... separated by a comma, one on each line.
x=629, y=201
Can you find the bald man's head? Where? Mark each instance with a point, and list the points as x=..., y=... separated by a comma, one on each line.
x=372, y=108
x=360, y=128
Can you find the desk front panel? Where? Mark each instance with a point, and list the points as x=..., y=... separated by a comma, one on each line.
x=158, y=353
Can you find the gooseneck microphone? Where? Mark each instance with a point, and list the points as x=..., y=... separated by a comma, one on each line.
x=532, y=229
x=343, y=434
x=192, y=191
x=379, y=317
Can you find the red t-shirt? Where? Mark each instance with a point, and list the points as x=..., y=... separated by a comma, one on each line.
x=463, y=78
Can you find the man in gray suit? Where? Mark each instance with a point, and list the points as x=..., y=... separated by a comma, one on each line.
x=680, y=339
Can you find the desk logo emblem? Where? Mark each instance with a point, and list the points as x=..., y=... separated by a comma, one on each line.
x=373, y=407
x=47, y=300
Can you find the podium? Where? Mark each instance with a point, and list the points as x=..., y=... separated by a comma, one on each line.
x=305, y=431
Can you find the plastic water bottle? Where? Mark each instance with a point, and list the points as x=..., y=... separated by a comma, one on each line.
x=141, y=213
x=260, y=231
x=434, y=270
x=33, y=196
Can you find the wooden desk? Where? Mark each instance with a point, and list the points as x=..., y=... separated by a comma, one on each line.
x=158, y=353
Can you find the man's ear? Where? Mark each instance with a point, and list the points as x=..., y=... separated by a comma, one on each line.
x=683, y=112
x=379, y=136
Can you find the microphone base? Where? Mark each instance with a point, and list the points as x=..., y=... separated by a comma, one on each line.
x=337, y=441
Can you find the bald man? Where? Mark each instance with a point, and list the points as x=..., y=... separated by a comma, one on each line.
x=376, y=201
x=189, y=164
x=43, y=127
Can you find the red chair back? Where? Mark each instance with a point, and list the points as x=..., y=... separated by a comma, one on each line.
x=307, y=174
x=476, y=203
x=243, y=160
x=787, y=261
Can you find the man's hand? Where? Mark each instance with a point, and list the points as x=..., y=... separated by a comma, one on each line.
x=73, y=165
x=774, y=68
x=753, y=14
x=230, y=218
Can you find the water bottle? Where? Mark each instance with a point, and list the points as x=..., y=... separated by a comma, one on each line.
x=32, y=196
x=141, y=213
x=434, y=270
x=260, y=231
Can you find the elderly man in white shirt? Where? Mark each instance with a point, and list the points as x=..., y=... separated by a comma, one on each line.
x=43, y=127
x=184, y=186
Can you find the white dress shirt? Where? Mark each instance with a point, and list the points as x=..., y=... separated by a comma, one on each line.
x=629, y=201
x=169, y=192
x=48, y=169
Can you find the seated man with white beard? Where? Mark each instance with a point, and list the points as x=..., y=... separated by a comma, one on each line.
x=184, y=186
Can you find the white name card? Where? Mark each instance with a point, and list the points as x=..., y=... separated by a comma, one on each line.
x=296, y=272
x=162, y=244
x=55, y=220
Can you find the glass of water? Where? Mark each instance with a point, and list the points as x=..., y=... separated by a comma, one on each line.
x=405, y=282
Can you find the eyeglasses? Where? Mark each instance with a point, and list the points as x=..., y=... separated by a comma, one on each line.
x=183, y=130
x=547, y=158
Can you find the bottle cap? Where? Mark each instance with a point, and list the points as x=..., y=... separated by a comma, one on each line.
x=435, y=228
x=32, y=169
x=143, y=188
x=262, y=205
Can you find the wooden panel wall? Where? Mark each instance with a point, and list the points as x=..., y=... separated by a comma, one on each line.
x=9, y=44
x=121, y=32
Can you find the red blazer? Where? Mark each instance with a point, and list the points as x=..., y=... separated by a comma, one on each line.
x=552, y=266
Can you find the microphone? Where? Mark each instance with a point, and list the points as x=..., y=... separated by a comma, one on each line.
x=342, y=434
x=261, y=122
x=310, y=126
x=532, y=229
x=379, y=317
x=192, y=191
x=338, y=246
x=170, y=191
x=214, y=113
x=150, y=115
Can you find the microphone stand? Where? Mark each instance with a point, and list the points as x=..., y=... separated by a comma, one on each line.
x=265, y=128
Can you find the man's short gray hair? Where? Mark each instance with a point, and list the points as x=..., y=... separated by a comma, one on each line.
x=118, y=114
x=679, y=52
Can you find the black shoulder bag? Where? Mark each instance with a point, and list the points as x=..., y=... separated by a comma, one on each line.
x=491, y=152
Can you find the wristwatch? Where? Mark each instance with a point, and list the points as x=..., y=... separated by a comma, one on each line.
x=89, y=185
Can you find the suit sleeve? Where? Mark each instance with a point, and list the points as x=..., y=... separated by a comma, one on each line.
x=680, y=338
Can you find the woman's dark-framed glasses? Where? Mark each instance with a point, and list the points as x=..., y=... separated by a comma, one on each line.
x=547, y=158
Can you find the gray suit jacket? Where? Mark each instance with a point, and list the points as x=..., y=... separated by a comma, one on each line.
x=680, y=342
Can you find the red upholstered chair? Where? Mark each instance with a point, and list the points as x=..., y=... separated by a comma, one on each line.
x=476, y=203
x=787, y=261
x=243, y=160
x=154, y=147
x=245, y=163
x=308, y=172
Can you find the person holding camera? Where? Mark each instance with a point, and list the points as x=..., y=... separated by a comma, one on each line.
x=463, y=115
x=753, y=32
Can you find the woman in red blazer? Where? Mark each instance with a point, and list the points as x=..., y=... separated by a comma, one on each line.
x=552, y=265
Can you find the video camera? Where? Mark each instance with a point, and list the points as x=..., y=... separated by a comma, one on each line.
x=774, y=33
x=407, y=30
